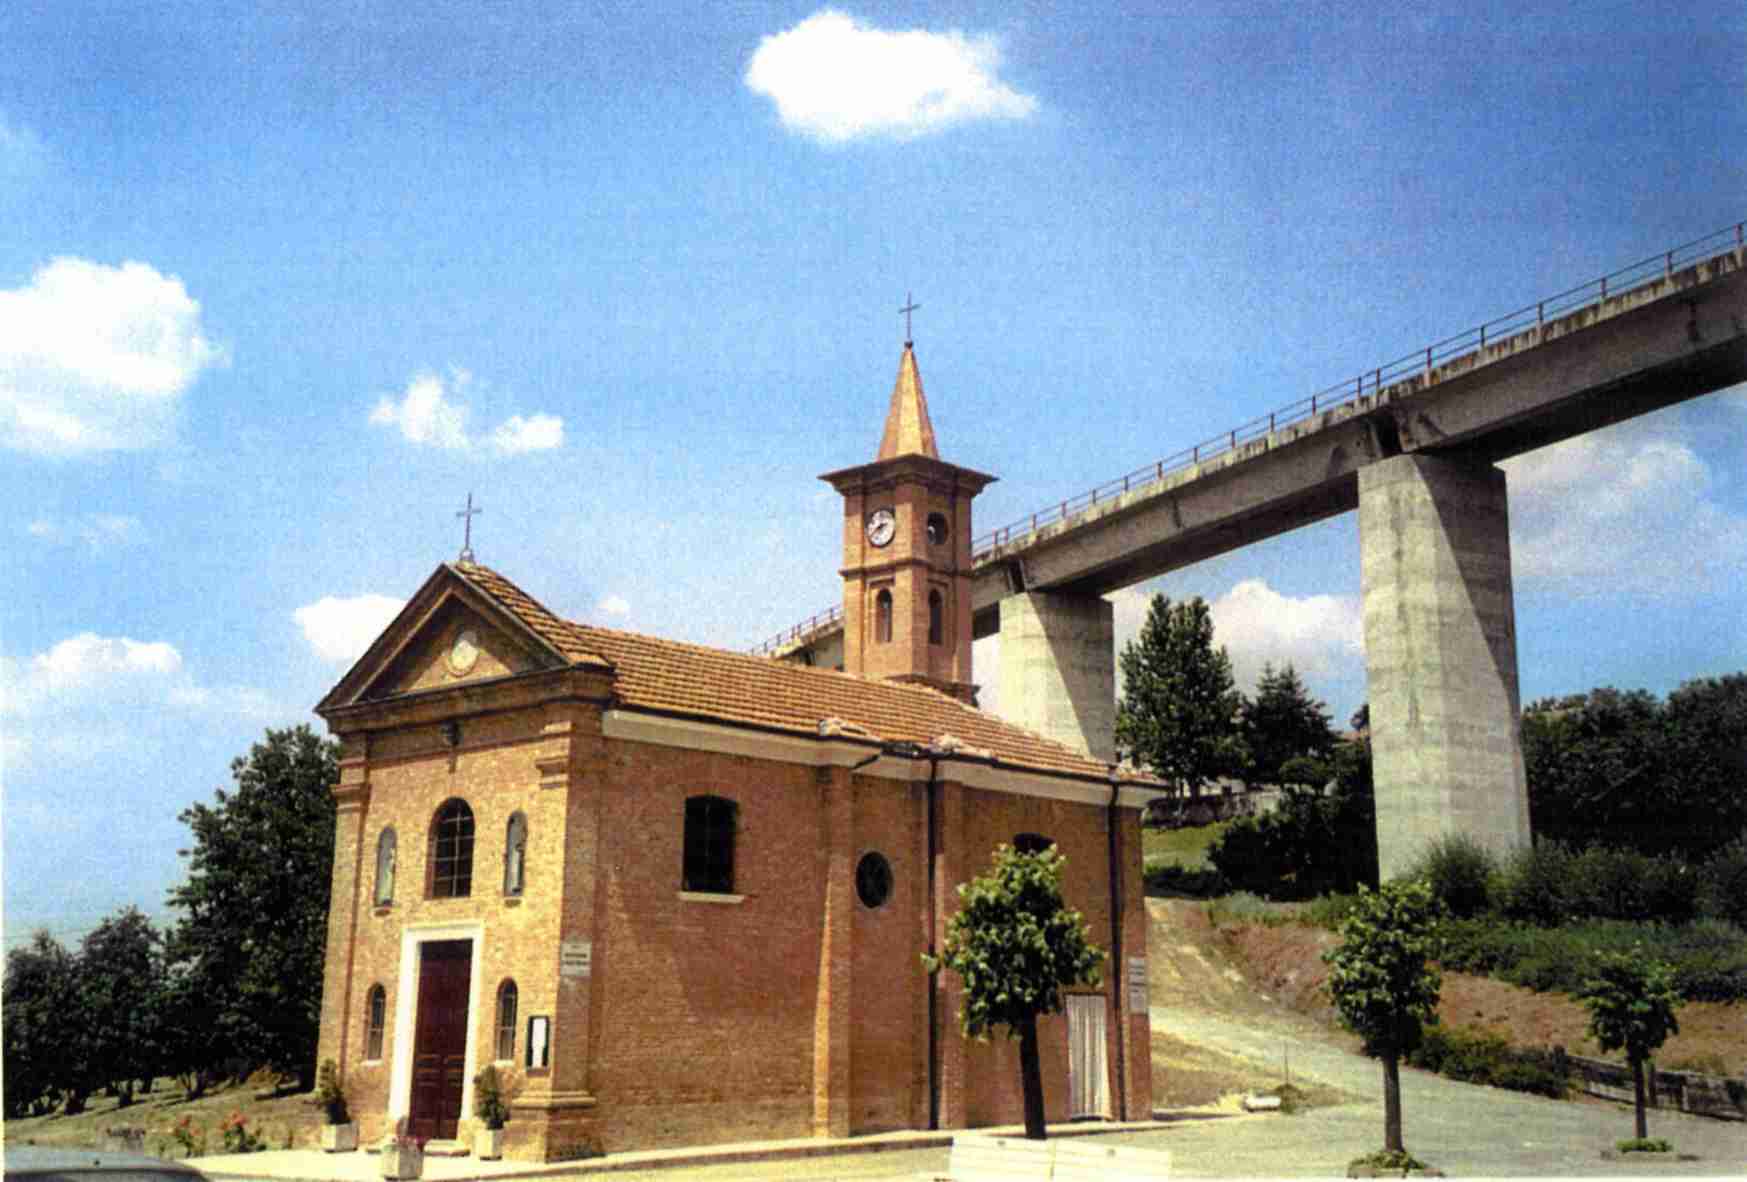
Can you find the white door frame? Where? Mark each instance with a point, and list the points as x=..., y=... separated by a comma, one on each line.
x=406, y=1016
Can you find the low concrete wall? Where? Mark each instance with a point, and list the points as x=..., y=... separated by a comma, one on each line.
x=1681, y=1091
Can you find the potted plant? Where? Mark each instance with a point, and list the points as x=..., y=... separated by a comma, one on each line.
x=403, y=1155
x=338, y=1132
x=489, y=1106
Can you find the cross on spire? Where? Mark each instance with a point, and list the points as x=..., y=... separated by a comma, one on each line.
x=910, y=305
x=467, y=515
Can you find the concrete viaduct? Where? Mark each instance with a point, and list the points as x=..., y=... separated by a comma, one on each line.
x=1414, y=448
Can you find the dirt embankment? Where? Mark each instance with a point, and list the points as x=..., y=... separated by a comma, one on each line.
x=1245, y=968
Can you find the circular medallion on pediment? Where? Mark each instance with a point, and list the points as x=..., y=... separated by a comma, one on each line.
x=464, y=653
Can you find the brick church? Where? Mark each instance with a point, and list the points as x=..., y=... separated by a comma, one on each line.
x=680, y=895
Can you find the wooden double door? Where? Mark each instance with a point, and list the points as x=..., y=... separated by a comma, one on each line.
x=439, y=1068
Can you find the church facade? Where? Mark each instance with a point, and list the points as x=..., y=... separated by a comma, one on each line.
x=680, y=895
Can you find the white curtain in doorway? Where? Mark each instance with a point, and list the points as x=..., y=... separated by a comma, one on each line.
x=1088, y=1067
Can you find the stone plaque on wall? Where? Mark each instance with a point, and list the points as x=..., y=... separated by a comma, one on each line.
x=575, y=958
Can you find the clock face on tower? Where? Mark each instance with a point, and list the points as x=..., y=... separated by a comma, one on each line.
x=881, y=525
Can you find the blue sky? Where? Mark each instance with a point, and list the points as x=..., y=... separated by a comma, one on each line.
x=281, y=284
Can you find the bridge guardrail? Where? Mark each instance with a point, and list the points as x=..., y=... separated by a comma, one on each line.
x=1473, y=340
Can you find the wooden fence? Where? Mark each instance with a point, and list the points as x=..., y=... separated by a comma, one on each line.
x=1682, y=1091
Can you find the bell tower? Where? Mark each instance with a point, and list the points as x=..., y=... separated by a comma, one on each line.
x=907, y=551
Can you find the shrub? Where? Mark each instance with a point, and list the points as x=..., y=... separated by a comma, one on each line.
x=1478, y=1056
x=1551, y=884
x=1460, y=872
x=1327, y=911
x=1168, y=878
x=1644, y=1145
x=489, y=1104
x=238, y=1137
x=189, y=1136
x=1536, y=886
x=1709, y=956
x=1723, y=884
x=1625, y=884
x=330, y=1095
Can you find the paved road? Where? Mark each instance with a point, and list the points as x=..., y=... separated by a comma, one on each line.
x=1464, y=1130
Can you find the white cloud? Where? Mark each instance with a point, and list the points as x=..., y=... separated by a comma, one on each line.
x=94, y=531
x=615, y=605
x=88, y=660
x=538, y=433
x=83, y=695
x=835, y=79
x=425, y=415
x=429, y=413
x=96, y=358
x=341, y=629
x=22, y=152
x=1625, y=509
x=1321, y=636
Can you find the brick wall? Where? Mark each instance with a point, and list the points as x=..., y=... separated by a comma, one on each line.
x=699, y=1021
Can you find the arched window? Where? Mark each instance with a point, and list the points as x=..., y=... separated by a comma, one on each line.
x=1031, y=843
x=452, y=851
x=709, y=845
x=385, y=854
x=375, y=1018
x=936, y=618
x=883, y=617
x=506, y=1022
x=515, y=855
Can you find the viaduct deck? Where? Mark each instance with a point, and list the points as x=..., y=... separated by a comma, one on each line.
x=1666, y=334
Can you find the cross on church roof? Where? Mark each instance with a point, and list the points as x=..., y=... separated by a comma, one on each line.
x=467, y=515
x=910, y=305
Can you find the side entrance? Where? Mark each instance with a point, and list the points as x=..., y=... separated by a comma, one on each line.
x=1088, y=1068
x=439, y=1072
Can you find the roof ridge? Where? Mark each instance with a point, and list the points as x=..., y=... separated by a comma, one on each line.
x=777, y=692
x=541, y=620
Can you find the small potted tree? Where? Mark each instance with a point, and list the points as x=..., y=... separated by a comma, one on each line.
x=338, y=1132
x=489, y=1106
x=402, y=1155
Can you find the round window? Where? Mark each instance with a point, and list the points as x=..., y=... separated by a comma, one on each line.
x=873, y=879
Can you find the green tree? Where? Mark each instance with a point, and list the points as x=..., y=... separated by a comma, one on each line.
x=1285, y=730
x=1625, y=770
x=1595, y=763
x=1016, y=945
x=1705, y=794
x=120, y=977
x=255, y=906
x=1314, y=841
x=1179, y=713
x=1383, y=983
x=1631, y=1002
x=38, y=1014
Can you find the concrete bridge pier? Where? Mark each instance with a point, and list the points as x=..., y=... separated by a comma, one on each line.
x=1440, y=652
x=1058, y=669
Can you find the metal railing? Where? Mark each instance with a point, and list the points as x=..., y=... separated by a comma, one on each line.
x=1473, y=341
x=806, y=627
x=1420, y=361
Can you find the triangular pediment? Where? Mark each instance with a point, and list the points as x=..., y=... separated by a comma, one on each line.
x=449, y=634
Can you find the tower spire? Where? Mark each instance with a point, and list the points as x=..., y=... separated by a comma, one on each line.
x=908, y=429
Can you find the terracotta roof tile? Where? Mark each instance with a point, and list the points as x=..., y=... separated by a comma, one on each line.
x=668, y=675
